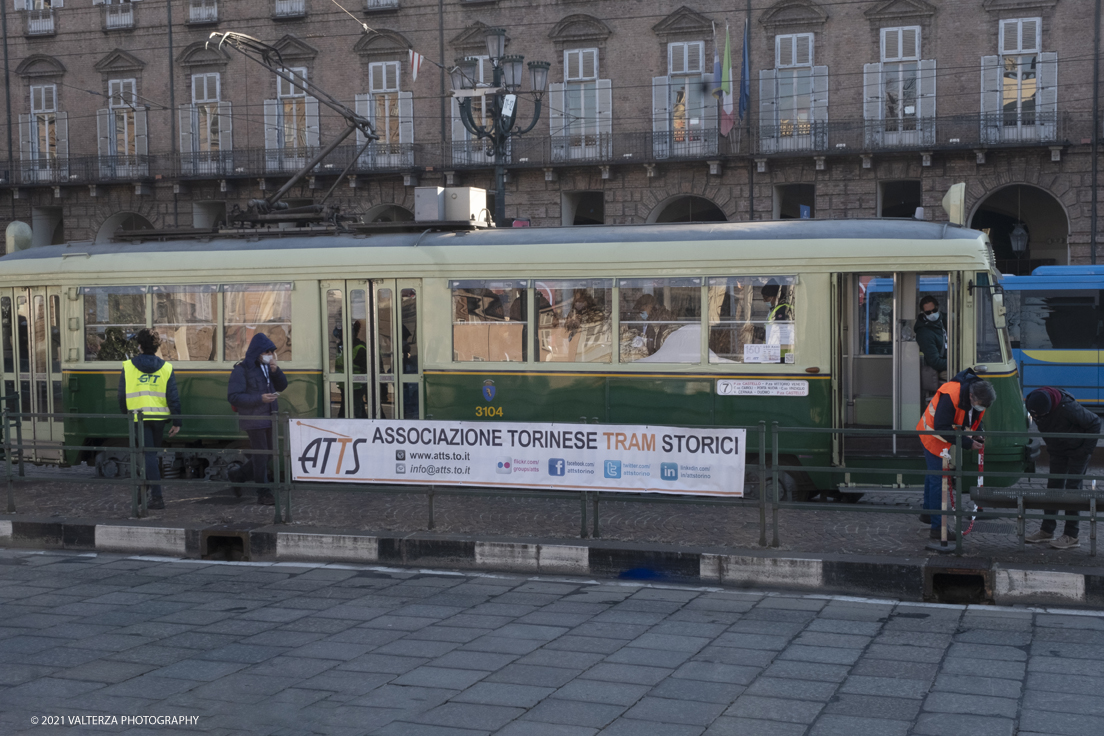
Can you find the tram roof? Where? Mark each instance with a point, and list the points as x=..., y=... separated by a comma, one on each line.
x=879, y=243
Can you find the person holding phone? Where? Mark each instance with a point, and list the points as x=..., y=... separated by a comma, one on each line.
x=254, y=390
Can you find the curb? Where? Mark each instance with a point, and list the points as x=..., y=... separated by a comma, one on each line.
x=936, y=579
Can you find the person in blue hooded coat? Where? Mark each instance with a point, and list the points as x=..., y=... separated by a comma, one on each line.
x=255, y=384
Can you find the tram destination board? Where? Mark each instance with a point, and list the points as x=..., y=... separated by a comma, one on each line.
x=584, y=457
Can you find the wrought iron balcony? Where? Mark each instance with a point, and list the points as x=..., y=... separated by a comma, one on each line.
x=123, y=168
x=40, y=22
x=202, y=12
x=376, y=5
x=118, y=17
x=206, y=165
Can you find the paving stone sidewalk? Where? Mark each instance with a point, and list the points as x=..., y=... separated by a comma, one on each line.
x=837, y=529
x=288, y=649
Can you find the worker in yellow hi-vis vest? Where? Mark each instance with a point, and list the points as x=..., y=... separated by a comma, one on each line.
x=147, y=384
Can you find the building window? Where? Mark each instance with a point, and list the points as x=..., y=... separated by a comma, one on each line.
x=899, y=92
x=122, y=101
x=684, y=113
x=392, y=114
x=794, y=201
x=581, y=110
x=467, y=149
x=291, y=122
x=44, y=120
x=205, y=98
x=121, y=129
x=793, y=98
x=1019, y=87
x=205, y=128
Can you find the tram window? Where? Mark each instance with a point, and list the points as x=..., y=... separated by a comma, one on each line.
x=489, y=321
x=9, y=348
x=1054, y=320
x=335, y=302
x=875, y=315
x=746, y=312
x=383, y=330
x=55, y=334
x=252, y=308
x=184, y=318
x=113, y=315
x=23, y=335
x=410, y=334
x=40, y=327
x=660, y=320
x=988, y=339
x=574, y=322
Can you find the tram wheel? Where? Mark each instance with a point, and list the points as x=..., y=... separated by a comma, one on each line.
x=787, y=486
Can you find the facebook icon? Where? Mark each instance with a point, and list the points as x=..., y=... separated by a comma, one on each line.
x=556, y=466
x=668, y=471
x=613, y=468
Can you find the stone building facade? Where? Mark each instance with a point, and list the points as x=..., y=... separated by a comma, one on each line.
x=123, y=116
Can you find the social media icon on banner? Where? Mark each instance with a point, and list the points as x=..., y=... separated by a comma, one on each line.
x=556, y=466
x=668, y=471
x=400, y=468
x=505, y=465
x=613, y=468
x=400, y=454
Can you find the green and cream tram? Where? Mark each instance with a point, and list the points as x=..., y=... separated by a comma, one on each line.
x=807, y=323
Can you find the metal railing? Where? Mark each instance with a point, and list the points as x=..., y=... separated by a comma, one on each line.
x=40, y=22
x=118, y=16
x=371, y=5
x=289, y=9
x=203, y=11
x=764, y=485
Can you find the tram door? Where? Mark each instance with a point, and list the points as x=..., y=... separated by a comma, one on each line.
x=32, y=365
x=883, y=384
x=371, y=355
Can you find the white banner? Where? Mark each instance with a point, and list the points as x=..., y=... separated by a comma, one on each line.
x=582, y=457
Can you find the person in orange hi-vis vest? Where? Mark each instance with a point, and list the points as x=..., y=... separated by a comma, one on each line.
x=959, y=403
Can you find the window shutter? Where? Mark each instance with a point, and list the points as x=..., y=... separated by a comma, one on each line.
x=990, y=98
x=57, y=4
x=406, y=127
x=661, y=116
x=105, y=141
x=364, y=110
x=572, y=64
x=1047, y=69
x=26, y=153
x=768, y=100
x=910, y=43
x=1029, y=34
x=1009, y=36
x=272, y=123
x=927, y=101
x=709, y=103
x=605, y=118
x=784, y=51
x=312, y=122
x=590, y=63
x=226, y=128
x=557, y=121
x=803, y=50
x=820, y=105
x=141, y=136
x=891, y=44
x=187, y=116
x=695, y=57
x=460, y=133
x=872, y=104
x=676, y=58
x=62, y=122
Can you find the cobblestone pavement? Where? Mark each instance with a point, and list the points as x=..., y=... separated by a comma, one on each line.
x=839, y=528
x=289, y=649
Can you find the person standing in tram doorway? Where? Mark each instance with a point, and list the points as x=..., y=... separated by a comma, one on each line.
x=147, y=384
x=254, y=390
x=1055, y=410
x=959, y=403
x=931, y=337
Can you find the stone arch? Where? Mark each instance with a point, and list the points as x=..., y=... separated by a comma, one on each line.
x=687, y=208
x=126, y=220
x=200, y=54
x=40, y=65
x=580, y=28
x=383, y=43
x=388, y=213
x=1045, y=217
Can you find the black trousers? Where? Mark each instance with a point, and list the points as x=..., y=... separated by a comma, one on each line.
x=1063, y=464
x=260, y=439
x=154, y=434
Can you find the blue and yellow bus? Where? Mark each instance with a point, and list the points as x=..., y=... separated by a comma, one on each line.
x=1054, y=324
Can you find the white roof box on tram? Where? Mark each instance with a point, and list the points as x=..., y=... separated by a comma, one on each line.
x=451, y=204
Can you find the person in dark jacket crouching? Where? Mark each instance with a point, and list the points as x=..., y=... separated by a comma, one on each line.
x=147, y=384
x=255, y=386
x=1055, y=410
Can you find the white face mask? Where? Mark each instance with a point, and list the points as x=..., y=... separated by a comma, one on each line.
x=932, y=316
x=643, y=315
x=977, y=408
x=268, y=359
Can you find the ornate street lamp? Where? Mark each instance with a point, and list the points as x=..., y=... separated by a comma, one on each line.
x=498, y=125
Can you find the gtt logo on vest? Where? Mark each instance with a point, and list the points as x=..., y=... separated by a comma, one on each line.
x=148, y=378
